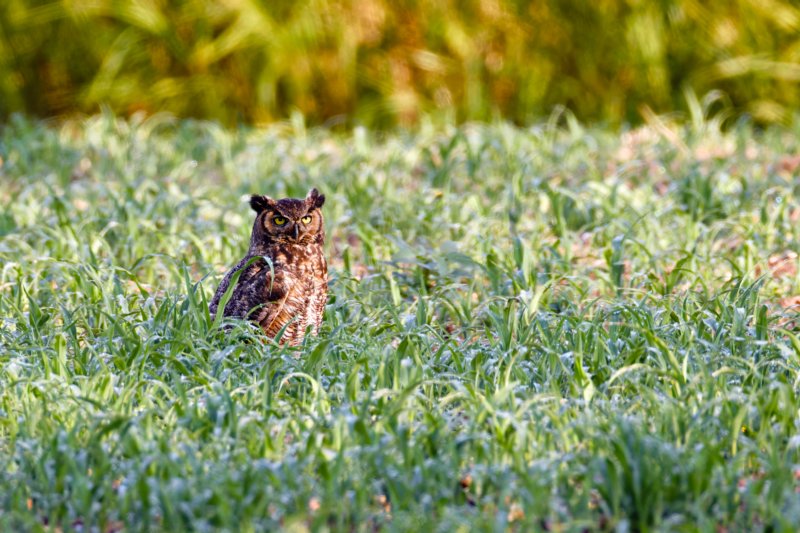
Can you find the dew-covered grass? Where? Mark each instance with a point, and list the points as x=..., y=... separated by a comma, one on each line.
x=555, y=328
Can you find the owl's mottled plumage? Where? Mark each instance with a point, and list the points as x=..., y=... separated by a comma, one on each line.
x=283, y=233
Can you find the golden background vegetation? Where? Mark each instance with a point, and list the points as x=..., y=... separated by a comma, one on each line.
x=381, y=63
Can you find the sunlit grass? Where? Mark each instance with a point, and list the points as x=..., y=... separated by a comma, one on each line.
x=381, y=63
x=554, y=328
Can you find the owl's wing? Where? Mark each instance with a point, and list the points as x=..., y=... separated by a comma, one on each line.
x=254, y=293
x=223, y=286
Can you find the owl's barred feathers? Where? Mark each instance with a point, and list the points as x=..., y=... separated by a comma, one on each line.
x=290, y=233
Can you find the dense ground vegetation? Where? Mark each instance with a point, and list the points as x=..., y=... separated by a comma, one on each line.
x=379, y=63
x=544, y=329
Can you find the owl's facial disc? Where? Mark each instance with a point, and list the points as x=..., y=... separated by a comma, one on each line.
x=291, y=221
x=297, y=227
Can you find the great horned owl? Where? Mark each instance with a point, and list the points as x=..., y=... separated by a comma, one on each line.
x=290, y=233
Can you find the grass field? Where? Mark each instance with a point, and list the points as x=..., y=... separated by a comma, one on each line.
x=544, y=329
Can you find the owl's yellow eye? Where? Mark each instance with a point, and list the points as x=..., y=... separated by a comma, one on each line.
x=279, y=221
x=306, y=220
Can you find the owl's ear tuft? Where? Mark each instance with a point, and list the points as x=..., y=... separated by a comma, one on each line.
x=315, y=199
x=260, y=203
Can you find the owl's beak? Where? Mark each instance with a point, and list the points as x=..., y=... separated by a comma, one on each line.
x=296, y=232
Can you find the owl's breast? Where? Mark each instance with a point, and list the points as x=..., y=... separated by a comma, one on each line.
x=300, y=261
x=302, y=275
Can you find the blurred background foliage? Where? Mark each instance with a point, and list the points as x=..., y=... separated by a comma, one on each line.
x=381, y=63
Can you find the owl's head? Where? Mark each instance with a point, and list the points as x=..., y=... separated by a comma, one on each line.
x=288, y=220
